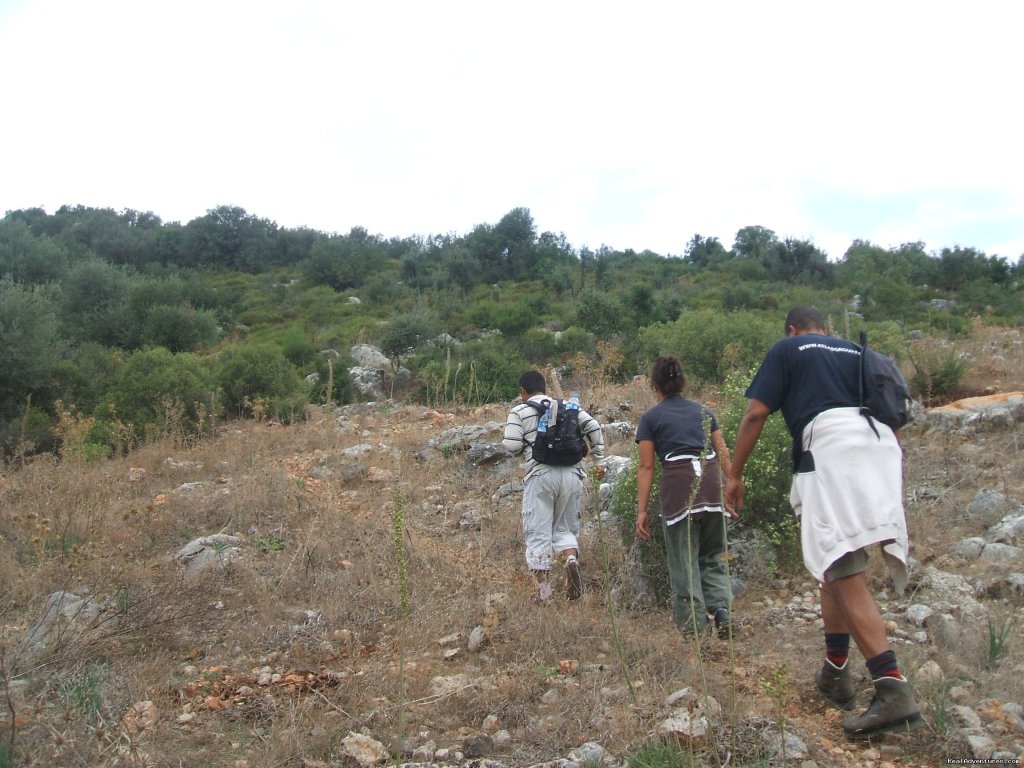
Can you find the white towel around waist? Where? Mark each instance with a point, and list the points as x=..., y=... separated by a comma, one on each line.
x=854, y=496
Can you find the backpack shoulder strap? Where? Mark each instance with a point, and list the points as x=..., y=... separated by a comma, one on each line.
x=539, y=407
x=865, y=412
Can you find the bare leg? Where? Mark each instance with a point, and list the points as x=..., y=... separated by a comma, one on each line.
x=847, y=605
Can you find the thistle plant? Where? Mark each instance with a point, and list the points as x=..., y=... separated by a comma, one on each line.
x=398, y=539
x=776, y=686
x=997, y=638
x=608, y=597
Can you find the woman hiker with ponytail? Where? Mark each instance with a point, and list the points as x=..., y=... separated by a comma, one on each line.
x=686, y=438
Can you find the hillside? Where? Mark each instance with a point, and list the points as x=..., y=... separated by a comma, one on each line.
x=365, y=577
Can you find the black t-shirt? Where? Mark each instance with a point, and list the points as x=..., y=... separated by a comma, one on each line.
x=806, y=374
x=677, y=426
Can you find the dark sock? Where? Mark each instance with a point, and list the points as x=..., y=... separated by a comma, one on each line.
x=883, y=665
x=837, y=647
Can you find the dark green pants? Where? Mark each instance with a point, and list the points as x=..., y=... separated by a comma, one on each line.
x=697, y=571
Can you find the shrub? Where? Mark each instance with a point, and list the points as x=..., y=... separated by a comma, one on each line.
x=179, y=328
x=330, y=368
x=151, y=378
x=27, y=434
x=651, y=553
x=260, y=373
x=938, y=370
x=768, y=473
x=479, y=372
x=600, y=314
x=297, y=347
x=711, y=343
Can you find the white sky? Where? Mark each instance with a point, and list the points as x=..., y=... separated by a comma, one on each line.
x=627, y=124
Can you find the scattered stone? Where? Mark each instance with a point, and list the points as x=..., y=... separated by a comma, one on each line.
x=448, y=685
x=590, y=753
x=1002, y=554
x=425, y=751
x=480, y=745
x=550, y=696
x=364, y=750
x=987, y=503
x=67, y=617
x=483, y=454
x=207, y=552
x=969, y=549
x=477, y=639
x=788, y=744
x=929, y=675
x=502, y=740
x=1009, y=530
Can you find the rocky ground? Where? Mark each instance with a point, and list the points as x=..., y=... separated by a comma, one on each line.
x=351, y=591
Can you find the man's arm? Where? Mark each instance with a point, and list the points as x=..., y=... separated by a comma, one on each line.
x=722, y=451
x=593, y=433
x=513, y=438
x=751, y=426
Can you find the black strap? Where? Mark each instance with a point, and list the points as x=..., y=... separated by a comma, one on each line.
x=860, y=384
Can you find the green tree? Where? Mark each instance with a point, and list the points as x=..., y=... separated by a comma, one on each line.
x=463, y=270
x=31, y=345
x=179, y=327
x=344, y=262
x=229, y=237
x=711, y=343
x=94, y=303
x=757, y=243
x=406, y=332
x=879, y=277
x=515, y=239
x=600, y=314
x=28, y=258
x=705, y=251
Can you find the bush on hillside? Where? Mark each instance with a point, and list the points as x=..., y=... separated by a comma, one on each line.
x=938, y=370
x=711, y=343
x=152, y=378
x=768, y=473
x=257, y=380
x=484, y=371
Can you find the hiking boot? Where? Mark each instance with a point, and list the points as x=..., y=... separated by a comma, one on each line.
x=573, y=579
x=892, y=708
x=835, y=684
x=723, y=623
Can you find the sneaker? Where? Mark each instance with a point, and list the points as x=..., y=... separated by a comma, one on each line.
x=836, y=684
x=573, y=579
x=723, y=623
x=892, y=708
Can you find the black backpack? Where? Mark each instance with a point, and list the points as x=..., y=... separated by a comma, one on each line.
x=884, y=394
x=563, y=444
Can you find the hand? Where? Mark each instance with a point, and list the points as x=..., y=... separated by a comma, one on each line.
x=734, y=493
x=643, y=530
x=600, y=471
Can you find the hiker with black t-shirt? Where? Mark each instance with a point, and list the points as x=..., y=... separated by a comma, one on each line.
x=685, y=436
x=552, y=494
x=848, y=492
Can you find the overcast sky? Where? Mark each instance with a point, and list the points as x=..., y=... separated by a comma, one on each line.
x=632, y=125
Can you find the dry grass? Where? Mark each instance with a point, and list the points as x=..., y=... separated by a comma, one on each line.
x=316, y=598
